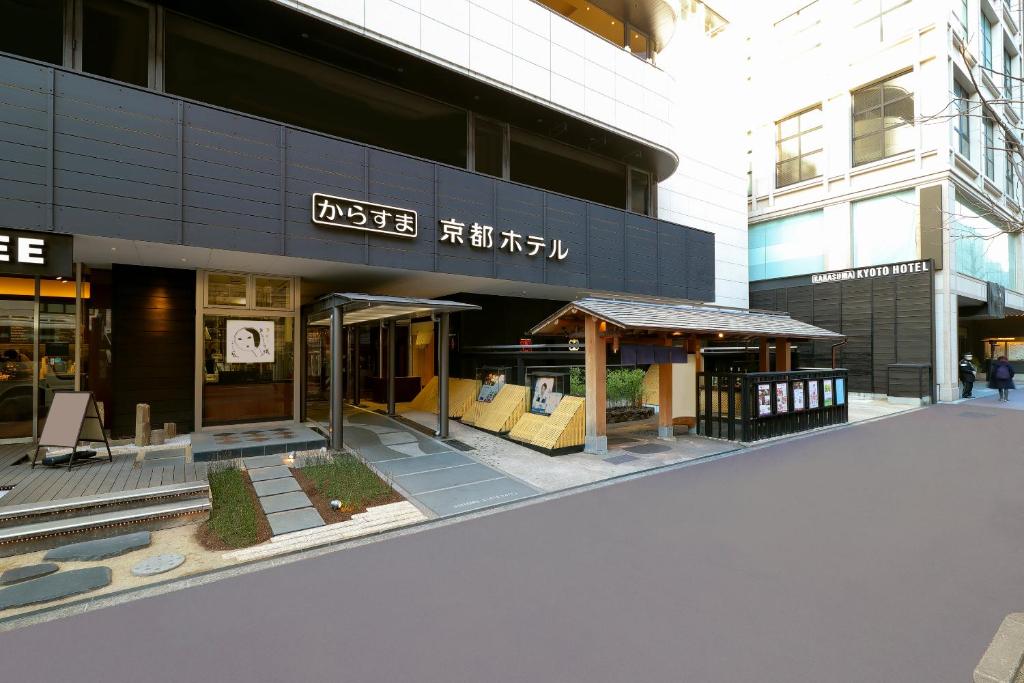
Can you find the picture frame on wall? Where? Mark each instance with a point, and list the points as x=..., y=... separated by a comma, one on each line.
x=782, y=397
x=764, y=400
x=799, y=400
x=812, y=395
x=826, y=393
x=840, y=391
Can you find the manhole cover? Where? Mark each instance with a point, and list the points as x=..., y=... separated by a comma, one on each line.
x=646, y=448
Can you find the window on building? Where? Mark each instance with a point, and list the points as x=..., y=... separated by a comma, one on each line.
x=1011, y=176
x=986, y=42
x=798, y=144
x=640, y=192
x=33, y=29
x=799, y=32
x=962, y=125
x=879, y=20
x=964, y=15
x=884, y=229
x=983, y=250
x=115, y=40
x=883, y=119
x=639, y=44
x=490, y=147
x=990, y=147
x=794, y=245
x=1008, y=72
x=610, y=27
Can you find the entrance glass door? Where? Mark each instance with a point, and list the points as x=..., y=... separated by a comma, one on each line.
x=17, y=365
x=318, y=373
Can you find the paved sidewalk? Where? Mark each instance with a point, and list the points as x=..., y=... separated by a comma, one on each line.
x=429, y=472
x=285, y=504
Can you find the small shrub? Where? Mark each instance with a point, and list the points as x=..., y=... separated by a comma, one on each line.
x=577, y=382
x=625, y=387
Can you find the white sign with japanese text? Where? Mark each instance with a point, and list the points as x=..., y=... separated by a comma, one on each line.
x=341, y=212
x=455, y=233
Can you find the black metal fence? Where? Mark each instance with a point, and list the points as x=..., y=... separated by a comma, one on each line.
x=761, y=405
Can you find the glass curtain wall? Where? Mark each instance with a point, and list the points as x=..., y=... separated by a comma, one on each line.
x=983, y=249
x=793, y=245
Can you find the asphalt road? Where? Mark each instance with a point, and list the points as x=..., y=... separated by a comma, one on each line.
x=887, y=551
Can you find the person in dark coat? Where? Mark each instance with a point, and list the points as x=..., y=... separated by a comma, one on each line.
x=967, y=375
x=1000, y=376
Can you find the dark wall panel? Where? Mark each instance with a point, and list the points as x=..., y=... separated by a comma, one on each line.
x=153, y=345
x=82, y=155
x=886, y=321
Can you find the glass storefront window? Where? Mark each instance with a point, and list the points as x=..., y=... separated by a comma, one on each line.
x=247, y=377
x=227, y=289
x=787, y=246
x=273, y=292
x=56, y=349
x=983, y=250
x=884, y=229
x=17, y=361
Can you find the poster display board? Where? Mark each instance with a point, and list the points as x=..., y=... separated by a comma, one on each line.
x=764, y=400
x=826, y=393
x=812, y=394
x=798, y=396
x=782, y=397
x=250, y=341
x=491, y=383
x=545, y=398
x=840, y=391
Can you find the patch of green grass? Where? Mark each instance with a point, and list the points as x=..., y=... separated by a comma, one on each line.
x=345, y=478
x=234, y=519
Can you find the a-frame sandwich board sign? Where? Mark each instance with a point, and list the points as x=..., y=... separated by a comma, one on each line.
x=73, y=417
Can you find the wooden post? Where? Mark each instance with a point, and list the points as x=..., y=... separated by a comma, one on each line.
x=596, y=440
x=782, y=358
x=763, y=364
x=665, y=430
x=698, y=357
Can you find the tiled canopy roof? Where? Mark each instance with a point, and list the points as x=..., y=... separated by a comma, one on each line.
x=647, y=315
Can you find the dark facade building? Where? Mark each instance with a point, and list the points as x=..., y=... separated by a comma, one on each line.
x=178, y=179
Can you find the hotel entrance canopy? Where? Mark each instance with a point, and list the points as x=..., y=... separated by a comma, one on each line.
x=353, y=309
x=634, y=316
x=615, y=322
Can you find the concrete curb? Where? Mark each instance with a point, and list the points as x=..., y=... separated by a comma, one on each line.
x=1002, y=661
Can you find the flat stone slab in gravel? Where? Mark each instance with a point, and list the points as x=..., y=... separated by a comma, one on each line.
x=259, y=461
x=31, y=571
x=272, y=487
x=54, y=587
x=100, y=548
x=285, y=501
x=294, y=520
x=158, y=564
x=265, y=473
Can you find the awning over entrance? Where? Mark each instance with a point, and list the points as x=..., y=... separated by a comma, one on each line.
x=685, y=328
x=364, y=308
x=351, y=309
x=641, y=316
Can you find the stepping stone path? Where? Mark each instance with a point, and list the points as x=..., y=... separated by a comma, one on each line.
x=158, y=564
x=31, y=571
x=54, y=587
x=286, y=505
x=101, y=548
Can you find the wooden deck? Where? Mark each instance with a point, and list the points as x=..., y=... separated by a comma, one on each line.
x=47, y=483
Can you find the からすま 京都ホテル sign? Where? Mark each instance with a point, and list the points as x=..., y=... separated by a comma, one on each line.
x=887, y=270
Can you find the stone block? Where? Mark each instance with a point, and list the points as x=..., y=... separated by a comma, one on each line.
x=285, y=501
x=272, y=487
x=156, y=437
x=100, y=548
x=1004, y=656
x=294, y=520
x=54, y=587
x=158, y=564
x=170, y=429
x=264, y=473
x=31, y=571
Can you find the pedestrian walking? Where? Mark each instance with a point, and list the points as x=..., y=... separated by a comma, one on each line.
x=1000, y=376
x=967, y=375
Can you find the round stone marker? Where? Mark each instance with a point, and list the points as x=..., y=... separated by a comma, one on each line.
x=158, y=564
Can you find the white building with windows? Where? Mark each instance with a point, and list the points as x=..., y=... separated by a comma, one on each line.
x=887, y=131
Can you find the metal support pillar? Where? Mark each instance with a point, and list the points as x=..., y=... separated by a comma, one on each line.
x=442, y=376
x=392, y=327
x=337, y=378
x=356, y=369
